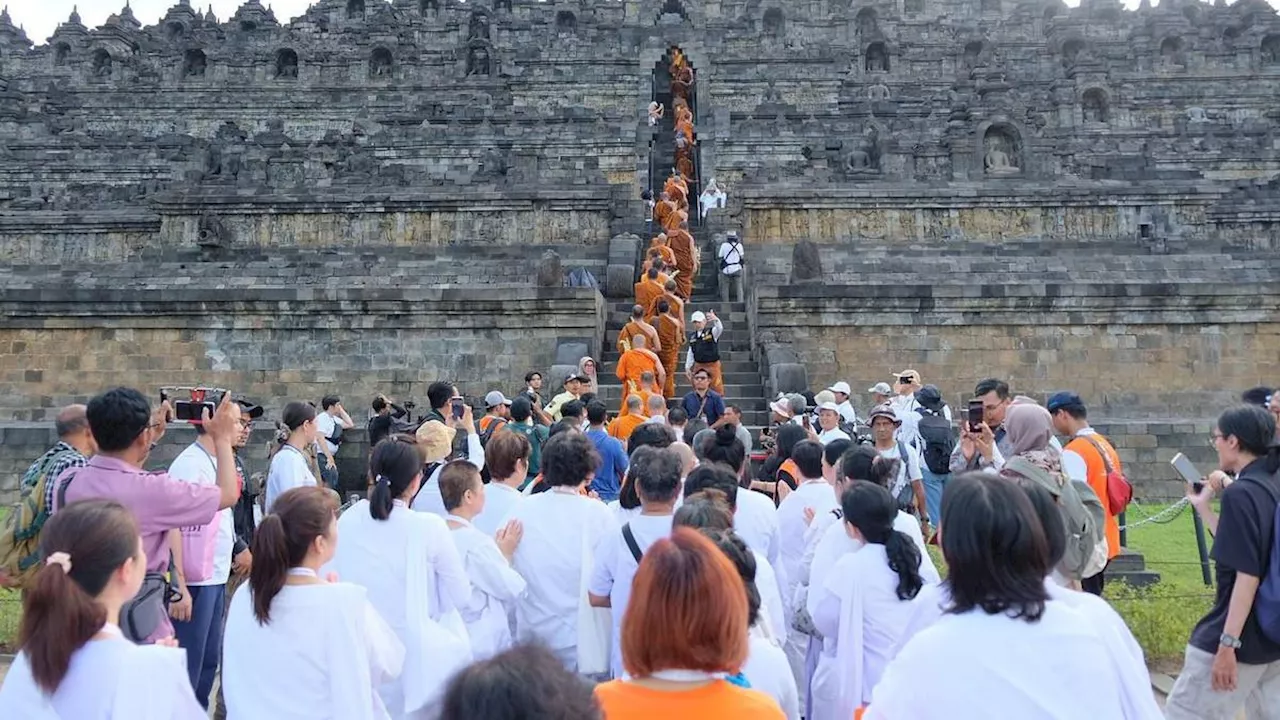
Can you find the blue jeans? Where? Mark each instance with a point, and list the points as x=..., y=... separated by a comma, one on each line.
x=933, y=487
x=329, y=473
x=201, y=637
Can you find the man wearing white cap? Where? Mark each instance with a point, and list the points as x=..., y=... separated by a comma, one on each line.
x=497, y=413
x=845, y=408
x=829, y=423
x=704, y=348
x=880, y=393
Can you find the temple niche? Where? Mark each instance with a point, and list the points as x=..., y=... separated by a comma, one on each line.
x=102, y=63
x=1093, y=105
x=877, y=58
x=194, y=64
x=775, y=23
x=478, y=26
x=913, y=7
x=478, y=59
x=1171, y=52
x=1001, y=151
x=381, y=63
x=286, y=64
x=1271, y=51
x=355, y=9
x=864, y=157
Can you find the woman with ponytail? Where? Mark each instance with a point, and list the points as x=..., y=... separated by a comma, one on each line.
x=74, y=662
x=863, y=605
x=297, y=645
x=414, y=575
x=290, y=467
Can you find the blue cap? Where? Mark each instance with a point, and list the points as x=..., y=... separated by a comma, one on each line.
x=1064, y=399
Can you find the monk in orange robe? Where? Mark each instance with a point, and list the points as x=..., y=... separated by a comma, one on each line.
x=658, y=246
x=686, y=260
x=673, y=223
x=649, y=389
x=664, y=209
x=673, y=300
x=631, y=418
x=677, y=189
x=671, y=332
x=638, y=326
x=649, y=289
x=636, y=362
x=685, y=165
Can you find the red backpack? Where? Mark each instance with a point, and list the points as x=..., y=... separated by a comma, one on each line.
x=1119, y=489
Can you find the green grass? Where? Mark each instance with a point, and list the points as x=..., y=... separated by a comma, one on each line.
x=10, y=609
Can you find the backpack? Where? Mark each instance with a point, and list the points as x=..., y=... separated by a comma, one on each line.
x=493, y=426
x=1266, y=606
x=1119, y=489
x=939, y=441
x=735, y=248
x=535, y=442
x=20, y=532
x=1082, y=513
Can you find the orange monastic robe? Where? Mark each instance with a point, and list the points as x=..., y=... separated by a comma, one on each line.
x=673, y=221
x=686, y=259
x=671, y=332
x=623, y=425
x=631, y=329
x=633, y=364
x=677, y=308
x=664, y=252
x=663, y=211
x=649, y=290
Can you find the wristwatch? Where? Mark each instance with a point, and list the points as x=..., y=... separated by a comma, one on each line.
x=1229, y=641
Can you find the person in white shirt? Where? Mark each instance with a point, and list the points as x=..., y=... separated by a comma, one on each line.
x=863, y=605
x=812, y=497
x=731, y=259
x=908, y=487
x=1000, y=639
x=713, y=197
x=289, y=468
x=829, y=423
x=755, y=518
x=766, y=668
x=330, y=424
x=657, y=480
x=507, y=457
x=487, y=559
x=298, y=646
x=415, y=577
x=203, y=563
x=435, y=441
x=75, y=662
x=842, y=392
x=562, y=528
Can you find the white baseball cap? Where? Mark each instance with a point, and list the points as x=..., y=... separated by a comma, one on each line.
x=841, y=387
x=495, y=398
x=880, y=387
x=698, y=317
x=829, y=406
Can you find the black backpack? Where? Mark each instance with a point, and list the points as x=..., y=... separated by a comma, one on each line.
x=939, y=441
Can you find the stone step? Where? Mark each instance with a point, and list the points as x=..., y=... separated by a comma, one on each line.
x=753, y=391
x=731, y=338
x=730, y=364
x=1135, y=578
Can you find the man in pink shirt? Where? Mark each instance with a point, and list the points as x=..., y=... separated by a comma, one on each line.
x=125, y=429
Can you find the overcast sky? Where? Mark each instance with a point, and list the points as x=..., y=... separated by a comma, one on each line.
x=40, y=17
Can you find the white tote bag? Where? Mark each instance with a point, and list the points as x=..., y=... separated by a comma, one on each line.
x=595, y=625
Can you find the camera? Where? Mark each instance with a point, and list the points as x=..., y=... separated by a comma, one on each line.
x=198, y=399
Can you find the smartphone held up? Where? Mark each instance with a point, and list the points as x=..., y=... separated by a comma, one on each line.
x=1188, y=471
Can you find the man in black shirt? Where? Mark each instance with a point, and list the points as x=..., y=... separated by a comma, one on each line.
x=384, y=422
x=1230, y=662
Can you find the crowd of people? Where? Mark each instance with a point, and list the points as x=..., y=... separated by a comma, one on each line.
x=468, y=583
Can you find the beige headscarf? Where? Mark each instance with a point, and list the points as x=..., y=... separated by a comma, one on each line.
x=593, y=386
x=1029, y=429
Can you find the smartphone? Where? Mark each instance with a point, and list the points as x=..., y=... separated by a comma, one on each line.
x=1188, y=471
x=190, y=411
x=905, y=379
x=976, y=414
x=459, y=406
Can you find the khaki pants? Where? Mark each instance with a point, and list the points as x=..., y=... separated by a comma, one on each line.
x=1193, y=697
x=235, y=580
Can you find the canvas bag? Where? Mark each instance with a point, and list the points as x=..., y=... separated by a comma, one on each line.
x=20, y=531
x=595, y=625
x=1082, y=513
x=1119, y=489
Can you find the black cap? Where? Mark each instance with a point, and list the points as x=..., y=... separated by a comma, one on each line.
x=248, y=408
x=930, y=397
x=1065, y=399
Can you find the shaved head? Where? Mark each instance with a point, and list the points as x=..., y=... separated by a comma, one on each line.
x=657, y=405
x=637, y=311
x=670, y=286
x=647, y=377
x=633, y=403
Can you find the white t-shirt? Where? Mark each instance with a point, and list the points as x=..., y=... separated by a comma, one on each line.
x=198, y=466
x=499, y=500
x=756, y=521
x=615, y=568
x=847, y=413
x=325, y=425
x=908, y=469
x=826, y=436
x=731, y=254
x=767, y=671
x=288, y=470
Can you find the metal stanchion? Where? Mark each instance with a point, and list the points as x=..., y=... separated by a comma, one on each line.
x=1203, y=549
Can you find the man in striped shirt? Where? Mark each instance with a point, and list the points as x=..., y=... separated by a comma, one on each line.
x=75, y=445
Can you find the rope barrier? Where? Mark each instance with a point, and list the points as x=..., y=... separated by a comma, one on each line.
x=1162, y=517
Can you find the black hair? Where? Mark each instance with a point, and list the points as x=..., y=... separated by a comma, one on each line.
x=521, y=408
x=297, y=414
x=586, y=399
x=1255, y=429
x=560, y=427
x=597, y=413
x=709, y=508
x=572, y=409
x=657, y=473
x=724, y=447
x=650, y=435
x=569, y=459
x=702, y=371
x=69, y=420
x=456, y=478
x=788, y=435
x=379, y=404
x=1256, y=396
x=439, y=393
x=117, y=417
x=861, y=462
x=1050, y=514
x=393, y=466
x=713, y=476
x=872, y=509
x=653, y=273
x=527, y=682
x=807, y=455
x=1077, y=411
x=663, y=307
x=529, y=376
x=834, y=450
x=329, y=401
x=744, y=560
x=1000, y=387
x=995, y=548
x=628, y=497
x=677, y=416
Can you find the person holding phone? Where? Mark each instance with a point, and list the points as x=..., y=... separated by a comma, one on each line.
x=981, y=443
x=436, y=445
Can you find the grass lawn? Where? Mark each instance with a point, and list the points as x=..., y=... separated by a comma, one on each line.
x=10, y=609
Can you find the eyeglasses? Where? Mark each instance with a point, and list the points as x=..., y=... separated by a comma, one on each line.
x=1214, y=438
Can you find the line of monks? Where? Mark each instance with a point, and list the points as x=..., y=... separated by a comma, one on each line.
x=652, y=339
